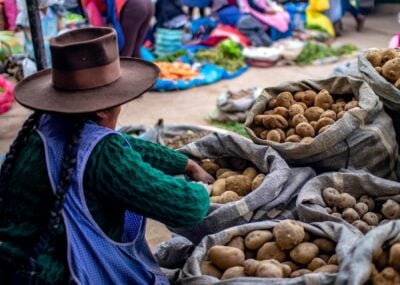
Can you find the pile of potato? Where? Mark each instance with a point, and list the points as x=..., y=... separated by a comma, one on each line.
x=235, y=178
x=287, y=251
x=385, y=269
x=363, y=213
x=300, y=117
x=387, y=64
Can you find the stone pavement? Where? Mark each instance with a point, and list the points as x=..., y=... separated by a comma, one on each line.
x=192, y=106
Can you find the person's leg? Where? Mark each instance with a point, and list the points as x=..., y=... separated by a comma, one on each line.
x=191, y=12
x=135, y=19
x=202, y=12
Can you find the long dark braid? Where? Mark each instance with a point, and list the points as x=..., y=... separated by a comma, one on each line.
x=15, y=147
x=68, y=167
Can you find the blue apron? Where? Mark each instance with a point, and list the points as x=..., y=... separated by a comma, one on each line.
x=93, y=258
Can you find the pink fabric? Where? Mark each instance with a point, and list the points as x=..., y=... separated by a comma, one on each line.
x=279, y=20
x=7, y=96
x=11, y=12
x=231, y=33
x=94, y=14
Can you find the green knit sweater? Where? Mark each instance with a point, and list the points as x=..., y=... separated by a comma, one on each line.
x=116, y=178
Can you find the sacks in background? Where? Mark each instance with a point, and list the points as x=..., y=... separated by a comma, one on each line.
x=311, y=205
x=191, y=273
x=363, y=139
x=274, y=199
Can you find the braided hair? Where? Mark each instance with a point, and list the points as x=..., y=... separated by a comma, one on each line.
x=20, y=140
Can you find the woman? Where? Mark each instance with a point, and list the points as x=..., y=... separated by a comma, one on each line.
x=72, y=190
x=130, y=18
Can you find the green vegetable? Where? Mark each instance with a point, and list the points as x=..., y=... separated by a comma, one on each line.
x=315, y=51
x=230, y=126
x=171, y=57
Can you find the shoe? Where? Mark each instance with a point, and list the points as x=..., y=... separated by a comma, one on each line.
x=337, y=26
x=360, y=22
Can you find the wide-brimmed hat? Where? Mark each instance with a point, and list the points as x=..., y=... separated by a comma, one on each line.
x=87, y=75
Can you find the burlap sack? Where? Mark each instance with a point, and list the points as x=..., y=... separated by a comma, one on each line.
x=311, y=206
x=271, y=200
x=191, y=273
x=363, y=139
x=356, y=266
x=386, y=91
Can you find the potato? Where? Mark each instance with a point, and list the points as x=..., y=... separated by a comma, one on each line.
x=391, y=209
x=255, y=239
x=380, y=258
x=225, y=257
x=329, y=195
x=330, y=268
x=388, y=54
x=371, y=219
x=314, y=125
x=264, y=134
x=274, y=136
x=218, y=187
x=257, y=181
x=315, y=264
x=227, y=174
x=221, y=171
x=233, y=272
x=304, y=252
x=323, y=129
x=282, y=111
x=350, y=215
x=307, y=140
x=338, y=107
x=325, y=245
x=287, y=270
x=229, y=196
x=329, y=114
x=369, y=201
x=313, y=113
x=271, y=250
x=351, y=105
x=378, y=69
x=333, y=260
x=216, y=200
x=207, y=268
x=389, y=276
x=269, y=112
x=299, y=273
x=272, y=104
x=309, y=97
x=259, y=119
x=374, y=57
x=275, y=122
x=307, y=237
x=291, y=264
x=324, y=257
x=288, y=234
x=257, y=131
x=240, y=184
x=298, y=96
x=394, y=256
x=345, y=200
x=340, y=114
x=337, y=215
x=296, y=109
x=361, y=225
x=361, y=208
x=293, y=138
x=250, y=172
x=250, y=266
x=237, y=242
x=297, y=119
x=210, y=166
x=323, y=100
x=305, y=130
x=284, y=99
x=270, y=268
x=322, y=122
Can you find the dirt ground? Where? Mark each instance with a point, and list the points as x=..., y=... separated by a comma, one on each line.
x=193, y=106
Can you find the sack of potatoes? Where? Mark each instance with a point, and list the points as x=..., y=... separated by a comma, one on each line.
x=357, y=199
x=327, y=124
x=379, y=68
x=252, y=183
x=271, y=252
x=376, y=258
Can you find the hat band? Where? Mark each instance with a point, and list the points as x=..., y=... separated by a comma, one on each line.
x=87, y=78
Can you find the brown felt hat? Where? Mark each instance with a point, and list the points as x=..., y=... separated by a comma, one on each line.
x=87, y=75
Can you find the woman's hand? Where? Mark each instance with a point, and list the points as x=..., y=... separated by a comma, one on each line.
x=197, y=173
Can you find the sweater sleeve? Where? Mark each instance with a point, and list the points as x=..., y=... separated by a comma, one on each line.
x=254, y=6
x=163, y=158
x=120, y=174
